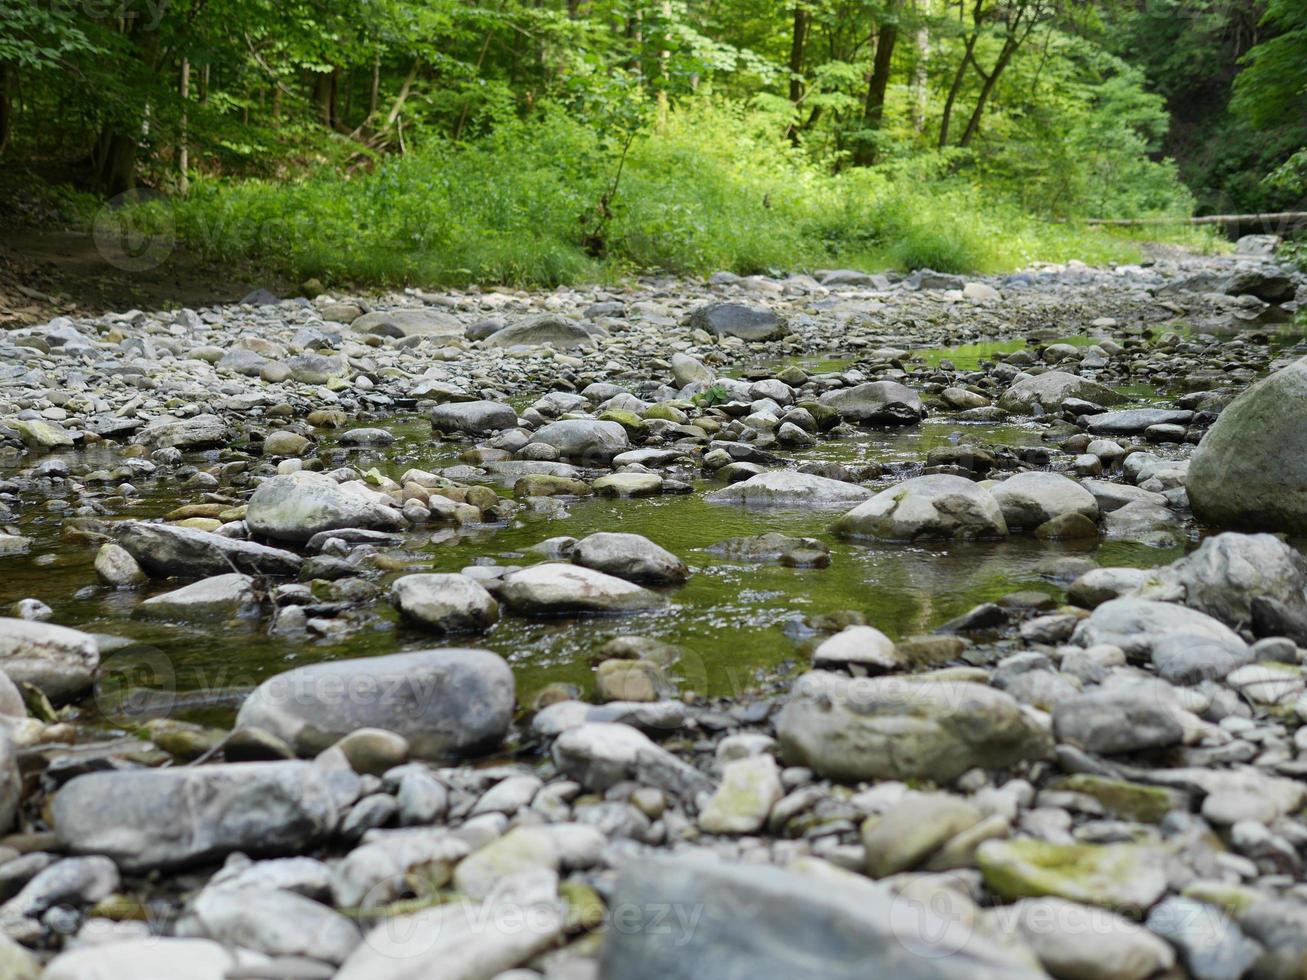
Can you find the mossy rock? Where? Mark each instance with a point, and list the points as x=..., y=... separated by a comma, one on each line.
x=1131, y=801
x=1127, y=878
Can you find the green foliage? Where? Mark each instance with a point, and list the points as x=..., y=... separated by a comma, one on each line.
x=714, y=395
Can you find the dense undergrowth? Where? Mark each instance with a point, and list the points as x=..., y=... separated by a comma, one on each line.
x=711, y=187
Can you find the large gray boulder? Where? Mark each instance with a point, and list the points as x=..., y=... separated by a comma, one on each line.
x=444, y=602
x=149, y=958
x=454, y=702
x=853, y=729
x=296, y=506
x=764, y=923
x=937, y=506
x=473, y=418
x=877, y=403
x=218, y=597
x=1250, y=470
x=556, y=589
x=1029, y=499
x=586, y=441
x=787, y=488
x=1137, y=626
x=166, y=550
x=546, y=329
x=58, y=660
x=196, y=432
x=1227, y=572
x=1120, y=718
x=738, y=320
x=152, y=819
x=1049, y=390
x=409, y=323
x=630, y=556
x=275, y=922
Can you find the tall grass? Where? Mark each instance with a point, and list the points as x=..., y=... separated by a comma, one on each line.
x=711, y=188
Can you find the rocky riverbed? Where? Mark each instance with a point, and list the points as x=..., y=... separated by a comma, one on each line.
x=829, y=626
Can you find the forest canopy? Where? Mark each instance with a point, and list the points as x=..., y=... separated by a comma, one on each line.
x=446, y=131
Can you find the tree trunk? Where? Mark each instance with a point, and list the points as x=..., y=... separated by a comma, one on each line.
x=954, y=89
x=920, y=81
x=1010, y=46
x=115, y=161
x=374, y=97
x=5, y=104
x=797, y=41
x=873, y=111
x=183, y=154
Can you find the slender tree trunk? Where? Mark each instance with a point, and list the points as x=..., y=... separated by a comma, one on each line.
x=183, y=154
x=374, y=97
x=5, y=106
x=797, y=41
x=116, y=160
x=873, y=112
x=954, y=89
x=920, y=80
x=1010, y=46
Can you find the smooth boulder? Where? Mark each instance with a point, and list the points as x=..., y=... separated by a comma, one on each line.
x=444, y=603
x=455, y=702
x=895, y=728
x=877, y=403
x=477, y=418
x=1031, y=499
x=630, y=556
x=58, y=660
x=938, y=506
x=555, y=589
x=787, y=488
x=1047, y=392
x=166, y=550
x=150, y=819
x=1250, y=469
x=296, y=506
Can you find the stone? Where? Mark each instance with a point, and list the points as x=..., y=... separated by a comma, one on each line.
x=589, y=442
x=196, y=432
x=1049, y=390
x=906, y=835
x=877, y=403
x=284, y=443
x=786, y=488
x=40, y=434
x=477, y=418
x=165, y=550
x=453, y=702
x=115, y=566
x=374, y=750
x=750, y=787
x=275, y=922
x=774, y=546
x=168, y=818
x=1099, y=585
x=690, y=370
x=521, y=849
x=1228, y=571
x=628, y=485
x=547, y=329
x=409, y=323
x=630, y=556
x=737, y=320
x=1127, y=878
x=61, y=662
x=17, y=963
x=11, y=781
x=557, y=589
x=632, y=680
x=1184, y=642
x=1133, y=421
x=1250, y=469
x=1120, y=718
x=444, y=603
x=1210, y=944
x=377, y=871
x=463, y=940
x=219, y=597
x=833, y=925
x=151, y=958
x=863, y=646
x=939, y=506
x=1031, y=499
x=599, y=755
x=1078, y=942
x=296, y=506
x=895, y=728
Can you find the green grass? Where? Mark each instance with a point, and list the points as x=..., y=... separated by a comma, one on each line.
x=711, y=189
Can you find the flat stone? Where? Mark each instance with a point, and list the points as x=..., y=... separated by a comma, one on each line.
x=938, y=506
x=786, y=488
x=1127, y=878
x=555, y=589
